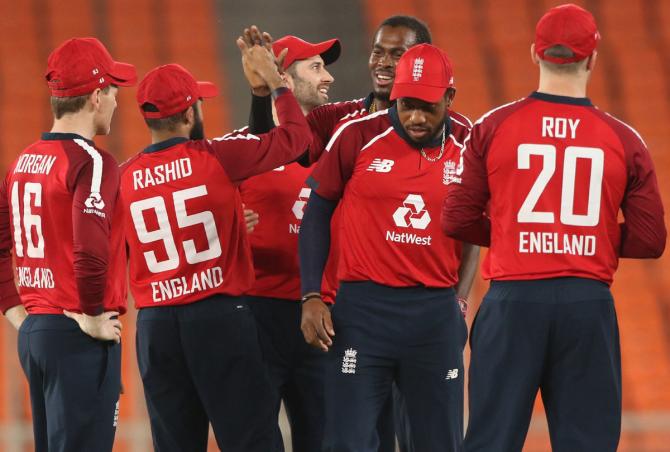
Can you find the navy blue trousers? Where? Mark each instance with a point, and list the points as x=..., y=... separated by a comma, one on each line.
x=411, y=336
x=296, y=371
x=74, y=381
x=558, y=336
x=201, y=363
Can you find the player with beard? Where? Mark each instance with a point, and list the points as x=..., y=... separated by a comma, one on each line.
x=278, y=196
x=394, y=36
x=190, y=262
x=396, y=315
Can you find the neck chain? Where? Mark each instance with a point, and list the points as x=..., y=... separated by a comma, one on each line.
x=439, y=156
x=373, y=107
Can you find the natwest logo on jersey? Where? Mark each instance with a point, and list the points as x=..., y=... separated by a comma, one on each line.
x=412, y=214
x=298, y=209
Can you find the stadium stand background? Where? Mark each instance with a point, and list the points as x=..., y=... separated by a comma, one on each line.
x=489, y=43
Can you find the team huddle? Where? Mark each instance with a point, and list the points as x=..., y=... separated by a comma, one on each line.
x=322, y=256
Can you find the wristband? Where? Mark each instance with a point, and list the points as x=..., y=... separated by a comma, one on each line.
x=310, y=296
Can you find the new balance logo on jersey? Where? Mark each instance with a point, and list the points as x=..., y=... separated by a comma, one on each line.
x=349, y=361
x=381, y=165
x=412, y=213
x=452, y=374
x=298, y=209
x=94, y=204
x=417, y=70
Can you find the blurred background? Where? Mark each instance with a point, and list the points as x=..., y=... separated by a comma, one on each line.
x=488, y=42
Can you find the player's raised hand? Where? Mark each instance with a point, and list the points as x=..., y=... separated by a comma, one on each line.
x=105, y=327
x=316, y=324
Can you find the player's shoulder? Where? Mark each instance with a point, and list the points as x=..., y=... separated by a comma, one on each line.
x=340, y=110
x=82, y=152
x=460, y=125
x=496, y=116
x=626, y=133
x=361, y=127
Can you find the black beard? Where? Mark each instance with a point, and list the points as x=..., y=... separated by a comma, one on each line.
x=198, y=130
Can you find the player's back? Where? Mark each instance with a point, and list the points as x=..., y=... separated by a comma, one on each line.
x=44, y=208
x=184, y=225
x=558, y=169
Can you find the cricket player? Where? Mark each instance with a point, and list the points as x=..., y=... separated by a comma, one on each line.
x=61, y=223
x=279, y=197
x=395, y=318
x=555, y=172
x=190, y=262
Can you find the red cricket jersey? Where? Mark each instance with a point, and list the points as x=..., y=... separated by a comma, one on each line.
x=279, y=197
x=185, y=228
x=58, y=204
x=390, y=201
x=557, y=171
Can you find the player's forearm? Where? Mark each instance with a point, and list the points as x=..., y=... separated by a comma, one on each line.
x=314, y=242
x=467, y=269
x=260, y=115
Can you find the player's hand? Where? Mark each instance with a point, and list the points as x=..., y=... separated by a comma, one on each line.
x=250, y=37
x=258, y=61
x=16, y=315
x=316, y=324
x=250, y=219
x=105, y=327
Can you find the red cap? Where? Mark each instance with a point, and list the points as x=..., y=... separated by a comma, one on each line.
x=171, y=89
x=570, y=26
x=301, y=50
x=423, y=72
x=80, y=65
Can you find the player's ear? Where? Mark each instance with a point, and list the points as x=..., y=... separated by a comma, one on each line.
x=189, y=115
x=449, y=95
x=94, y=97
x=533, y=56
x=591, y=61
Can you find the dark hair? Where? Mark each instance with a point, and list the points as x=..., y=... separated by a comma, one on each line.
x=420, y=29
x=60, y=106
x=170, y=123
x=560, y=51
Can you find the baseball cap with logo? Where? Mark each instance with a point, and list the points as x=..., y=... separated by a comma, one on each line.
x=301, y=50
x=423, y=72
x=80, y=65
x=570, y=26
x=171, y=89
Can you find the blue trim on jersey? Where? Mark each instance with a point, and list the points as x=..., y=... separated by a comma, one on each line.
x=584, y=101
x=161, y=145
x=367, y=102
x=52, y=136
x=397, y=126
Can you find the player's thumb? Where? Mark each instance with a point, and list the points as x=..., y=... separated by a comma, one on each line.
x=72, y=315
x=328, y=323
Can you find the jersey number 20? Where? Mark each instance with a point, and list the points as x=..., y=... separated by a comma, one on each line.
x=164, y=231
x=527, y=212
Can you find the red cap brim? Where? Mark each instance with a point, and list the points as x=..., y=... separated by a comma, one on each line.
x=329, y=50
x=124, y=74
x=430, y=94
x=207, y=89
